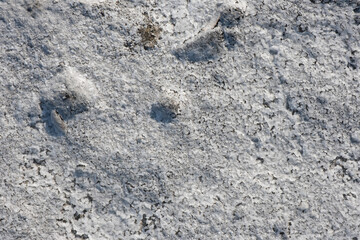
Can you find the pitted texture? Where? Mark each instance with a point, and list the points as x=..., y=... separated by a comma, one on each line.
x=184, y=119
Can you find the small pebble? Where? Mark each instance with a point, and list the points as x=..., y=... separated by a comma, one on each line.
x=58, y=122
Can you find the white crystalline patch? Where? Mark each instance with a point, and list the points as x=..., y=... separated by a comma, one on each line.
x=92, y=1
x=77, y=83
x=238, y=4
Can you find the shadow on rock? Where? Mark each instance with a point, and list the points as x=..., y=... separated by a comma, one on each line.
x=163, y=113
x=66, y=105
x=231, y=17
x=205, y=48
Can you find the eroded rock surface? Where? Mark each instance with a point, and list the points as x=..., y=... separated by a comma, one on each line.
x=184, y=119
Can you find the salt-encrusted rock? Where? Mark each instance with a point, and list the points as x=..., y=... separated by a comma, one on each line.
x=57, y=122
x=250, y=131
x=83, y=88
x=355, y=137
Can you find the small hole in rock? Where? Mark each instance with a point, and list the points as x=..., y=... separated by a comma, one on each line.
x=162, y=113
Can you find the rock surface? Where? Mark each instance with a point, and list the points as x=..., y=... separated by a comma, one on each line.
x=184, y=119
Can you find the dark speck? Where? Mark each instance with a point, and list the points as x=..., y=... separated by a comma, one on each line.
x=302, y=28
x=273, y=51
x=260, y=159
x=85, y=236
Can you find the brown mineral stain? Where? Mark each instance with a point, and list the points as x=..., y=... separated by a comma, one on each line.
x=150, y=33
